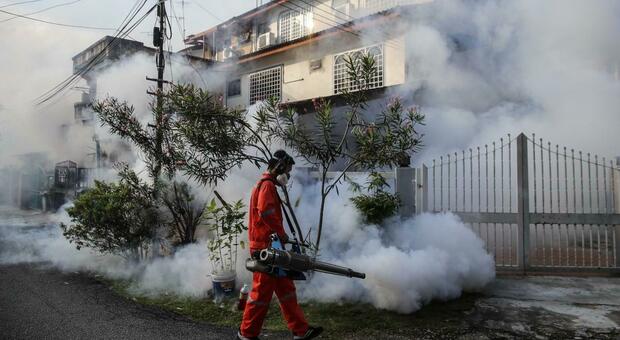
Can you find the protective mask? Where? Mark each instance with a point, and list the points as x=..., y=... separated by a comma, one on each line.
x=283, y=179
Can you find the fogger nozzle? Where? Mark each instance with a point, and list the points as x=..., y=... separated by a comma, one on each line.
x=293, y=261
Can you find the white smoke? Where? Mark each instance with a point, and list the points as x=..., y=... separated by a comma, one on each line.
x=483, y=69
x=408, y=262
x=532, y=66
x=185, y=273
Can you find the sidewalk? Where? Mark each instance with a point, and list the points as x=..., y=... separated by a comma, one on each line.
x=543, y=306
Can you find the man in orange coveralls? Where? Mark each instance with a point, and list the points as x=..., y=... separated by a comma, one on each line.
x=265, y=219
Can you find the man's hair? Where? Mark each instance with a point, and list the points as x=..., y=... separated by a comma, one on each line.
x=280, y=161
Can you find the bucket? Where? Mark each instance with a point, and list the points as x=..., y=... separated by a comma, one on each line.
x=223, y=284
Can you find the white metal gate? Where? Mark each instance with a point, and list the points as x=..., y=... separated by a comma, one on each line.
x=536, y=206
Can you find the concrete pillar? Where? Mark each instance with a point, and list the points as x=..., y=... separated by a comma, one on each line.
x=18, y=192
x=523, y=200
x=405, y=189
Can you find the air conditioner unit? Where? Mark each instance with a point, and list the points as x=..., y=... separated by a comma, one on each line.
x=264, y=40
x=228, y=53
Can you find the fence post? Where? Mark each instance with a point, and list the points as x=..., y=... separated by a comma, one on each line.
x=615, y=175
x=404, y=178
x=424, y=200
x=523, y=224
x=616, y=209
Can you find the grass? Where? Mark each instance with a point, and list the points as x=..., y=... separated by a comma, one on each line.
x=341, y=320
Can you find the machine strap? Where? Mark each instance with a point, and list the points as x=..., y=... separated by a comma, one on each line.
x=286, y=216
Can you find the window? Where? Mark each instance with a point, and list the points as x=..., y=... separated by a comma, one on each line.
x=262, y=28
x=342, y=80
x=63, y=174
x=266, y=84
x=233, y=88
x=381, y=5
x=295, y=24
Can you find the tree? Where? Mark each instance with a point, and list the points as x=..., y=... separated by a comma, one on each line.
x=187, y=213
x=209, y=139
x=200, y=138
x=368, y=144
x=113, y=218
x=205, y=139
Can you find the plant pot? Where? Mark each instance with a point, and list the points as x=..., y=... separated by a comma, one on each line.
x=223, y=284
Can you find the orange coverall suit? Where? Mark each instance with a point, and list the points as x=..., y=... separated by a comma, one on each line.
x=266, y=219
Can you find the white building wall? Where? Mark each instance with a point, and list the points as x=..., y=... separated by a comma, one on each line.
x=325, y=15
x=299, y=82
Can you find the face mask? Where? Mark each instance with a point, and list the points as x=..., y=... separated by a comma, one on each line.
x=283, y=179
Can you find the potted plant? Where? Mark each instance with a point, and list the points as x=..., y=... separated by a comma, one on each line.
x=226, y=222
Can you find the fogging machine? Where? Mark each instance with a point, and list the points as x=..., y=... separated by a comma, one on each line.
x=278, y=261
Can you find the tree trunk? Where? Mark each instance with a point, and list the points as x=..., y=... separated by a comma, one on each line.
x=322, y=211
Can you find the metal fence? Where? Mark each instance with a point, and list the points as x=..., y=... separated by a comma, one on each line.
x=537, y=206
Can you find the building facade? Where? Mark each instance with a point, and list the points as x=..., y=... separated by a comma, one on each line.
x=296, y=50
x=94, y=59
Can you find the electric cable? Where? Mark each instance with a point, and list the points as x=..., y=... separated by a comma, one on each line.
x=67, y=82
x=122, y=32
x=20, y=3
x=208, y=11
x=187, y=56
x=57, y=23
x=346, y=15
x=44, y=10
x=330, y=21
x=336, y=24
x=133, y=8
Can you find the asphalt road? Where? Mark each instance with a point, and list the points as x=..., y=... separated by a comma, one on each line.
x=42, y=303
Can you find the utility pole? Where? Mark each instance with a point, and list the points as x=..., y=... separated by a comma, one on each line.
x=161, y=64
x=159, y=37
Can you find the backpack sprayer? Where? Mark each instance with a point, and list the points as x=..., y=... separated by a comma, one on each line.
x=278, y=261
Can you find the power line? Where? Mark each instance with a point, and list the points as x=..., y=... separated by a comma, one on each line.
x=208, y=11
x=184, y=43
x=45, y=9
x=332, y=21
x=20, y=3
x=123, y=31
x=71, y=78
x=57, y=23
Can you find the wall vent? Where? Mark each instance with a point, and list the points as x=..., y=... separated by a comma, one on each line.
x=316, y=64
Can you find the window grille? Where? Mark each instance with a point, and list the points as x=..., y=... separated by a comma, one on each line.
x=380, y=5
x=266, y=84
x=233, y=88
x=342, y=80
x=294, y=24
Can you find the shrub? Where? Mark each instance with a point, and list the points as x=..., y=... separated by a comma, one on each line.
x=113, y=218
x=378, y=204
